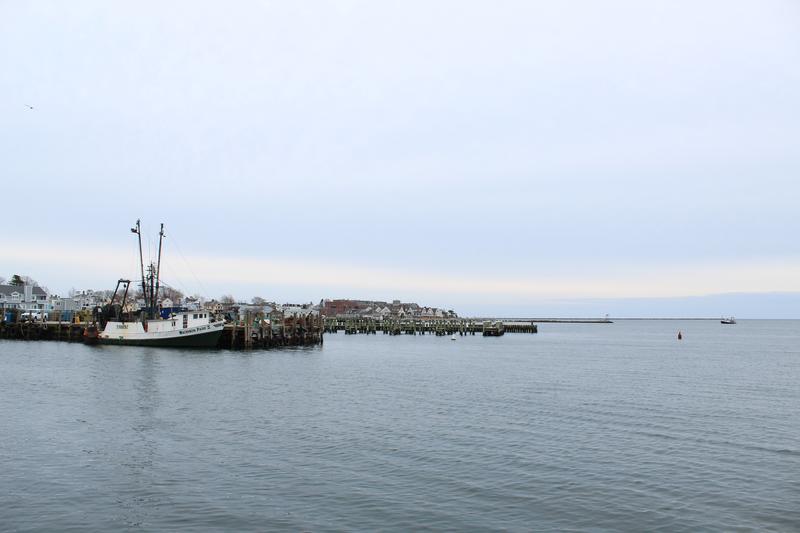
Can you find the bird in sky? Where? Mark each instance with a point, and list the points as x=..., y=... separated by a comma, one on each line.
x=29, y=106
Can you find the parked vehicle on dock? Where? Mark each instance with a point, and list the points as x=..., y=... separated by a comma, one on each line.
x=33, y=316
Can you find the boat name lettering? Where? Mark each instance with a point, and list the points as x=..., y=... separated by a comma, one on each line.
x=192, y=330
x=122, y=326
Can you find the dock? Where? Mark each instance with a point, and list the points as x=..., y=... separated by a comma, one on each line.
x=254, y=332
x=69, y=331
x=259, y=331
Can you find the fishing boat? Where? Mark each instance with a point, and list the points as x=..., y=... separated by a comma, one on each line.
x=728, y=320
x=148, y=326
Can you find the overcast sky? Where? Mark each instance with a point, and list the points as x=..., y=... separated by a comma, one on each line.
x=520, y=157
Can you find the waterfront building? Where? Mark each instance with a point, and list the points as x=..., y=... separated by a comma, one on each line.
x=57, y=303
x=24, y=297
x=380, y=309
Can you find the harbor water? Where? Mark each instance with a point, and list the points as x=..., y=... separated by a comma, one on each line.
x=602, y=427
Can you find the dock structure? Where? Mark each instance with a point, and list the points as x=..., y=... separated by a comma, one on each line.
x=438, y=327
x=275, y=329
x=272, y=330
x=253, y=332
x=57, y=330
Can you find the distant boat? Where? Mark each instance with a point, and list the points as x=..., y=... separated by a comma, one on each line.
x=453, y=338
x=729, y=320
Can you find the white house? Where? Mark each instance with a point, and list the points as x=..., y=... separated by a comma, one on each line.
x=192, y=303
x=24, y=297
x=57, y=303
x=88, y=299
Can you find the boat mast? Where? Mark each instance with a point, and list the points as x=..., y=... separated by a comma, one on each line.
x=151, y=279
x=158, y=268
x=138, y=231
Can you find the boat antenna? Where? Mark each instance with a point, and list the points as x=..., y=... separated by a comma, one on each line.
x=138, y=231
x=158, y=267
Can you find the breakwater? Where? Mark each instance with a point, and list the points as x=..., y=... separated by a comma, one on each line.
x=554, y=320
x=439, y=327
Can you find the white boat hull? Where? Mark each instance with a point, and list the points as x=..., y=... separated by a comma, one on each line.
x=165, y=333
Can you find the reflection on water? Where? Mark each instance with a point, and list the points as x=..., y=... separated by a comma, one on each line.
x=579, y=427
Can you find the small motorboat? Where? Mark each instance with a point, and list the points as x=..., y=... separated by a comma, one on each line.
x=453, y=338
x=728, y=320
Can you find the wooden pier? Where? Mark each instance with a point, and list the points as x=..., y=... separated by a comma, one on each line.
x=259, y=331
x=276, y=330
x=251, y=333
x=43, y=331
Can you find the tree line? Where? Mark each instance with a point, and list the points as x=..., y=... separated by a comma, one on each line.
x=16, y=279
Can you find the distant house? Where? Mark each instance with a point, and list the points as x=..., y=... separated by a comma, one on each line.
x=379, y=309
x=298, y=310
x=214, y=306
x=24, y=297
x=57, y=303
x=85, y=299
x=192, y=303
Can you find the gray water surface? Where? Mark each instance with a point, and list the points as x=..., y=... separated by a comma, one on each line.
x=581, y=427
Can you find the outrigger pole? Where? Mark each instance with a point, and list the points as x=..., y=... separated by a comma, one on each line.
x=138, y=231
x=158, y=268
